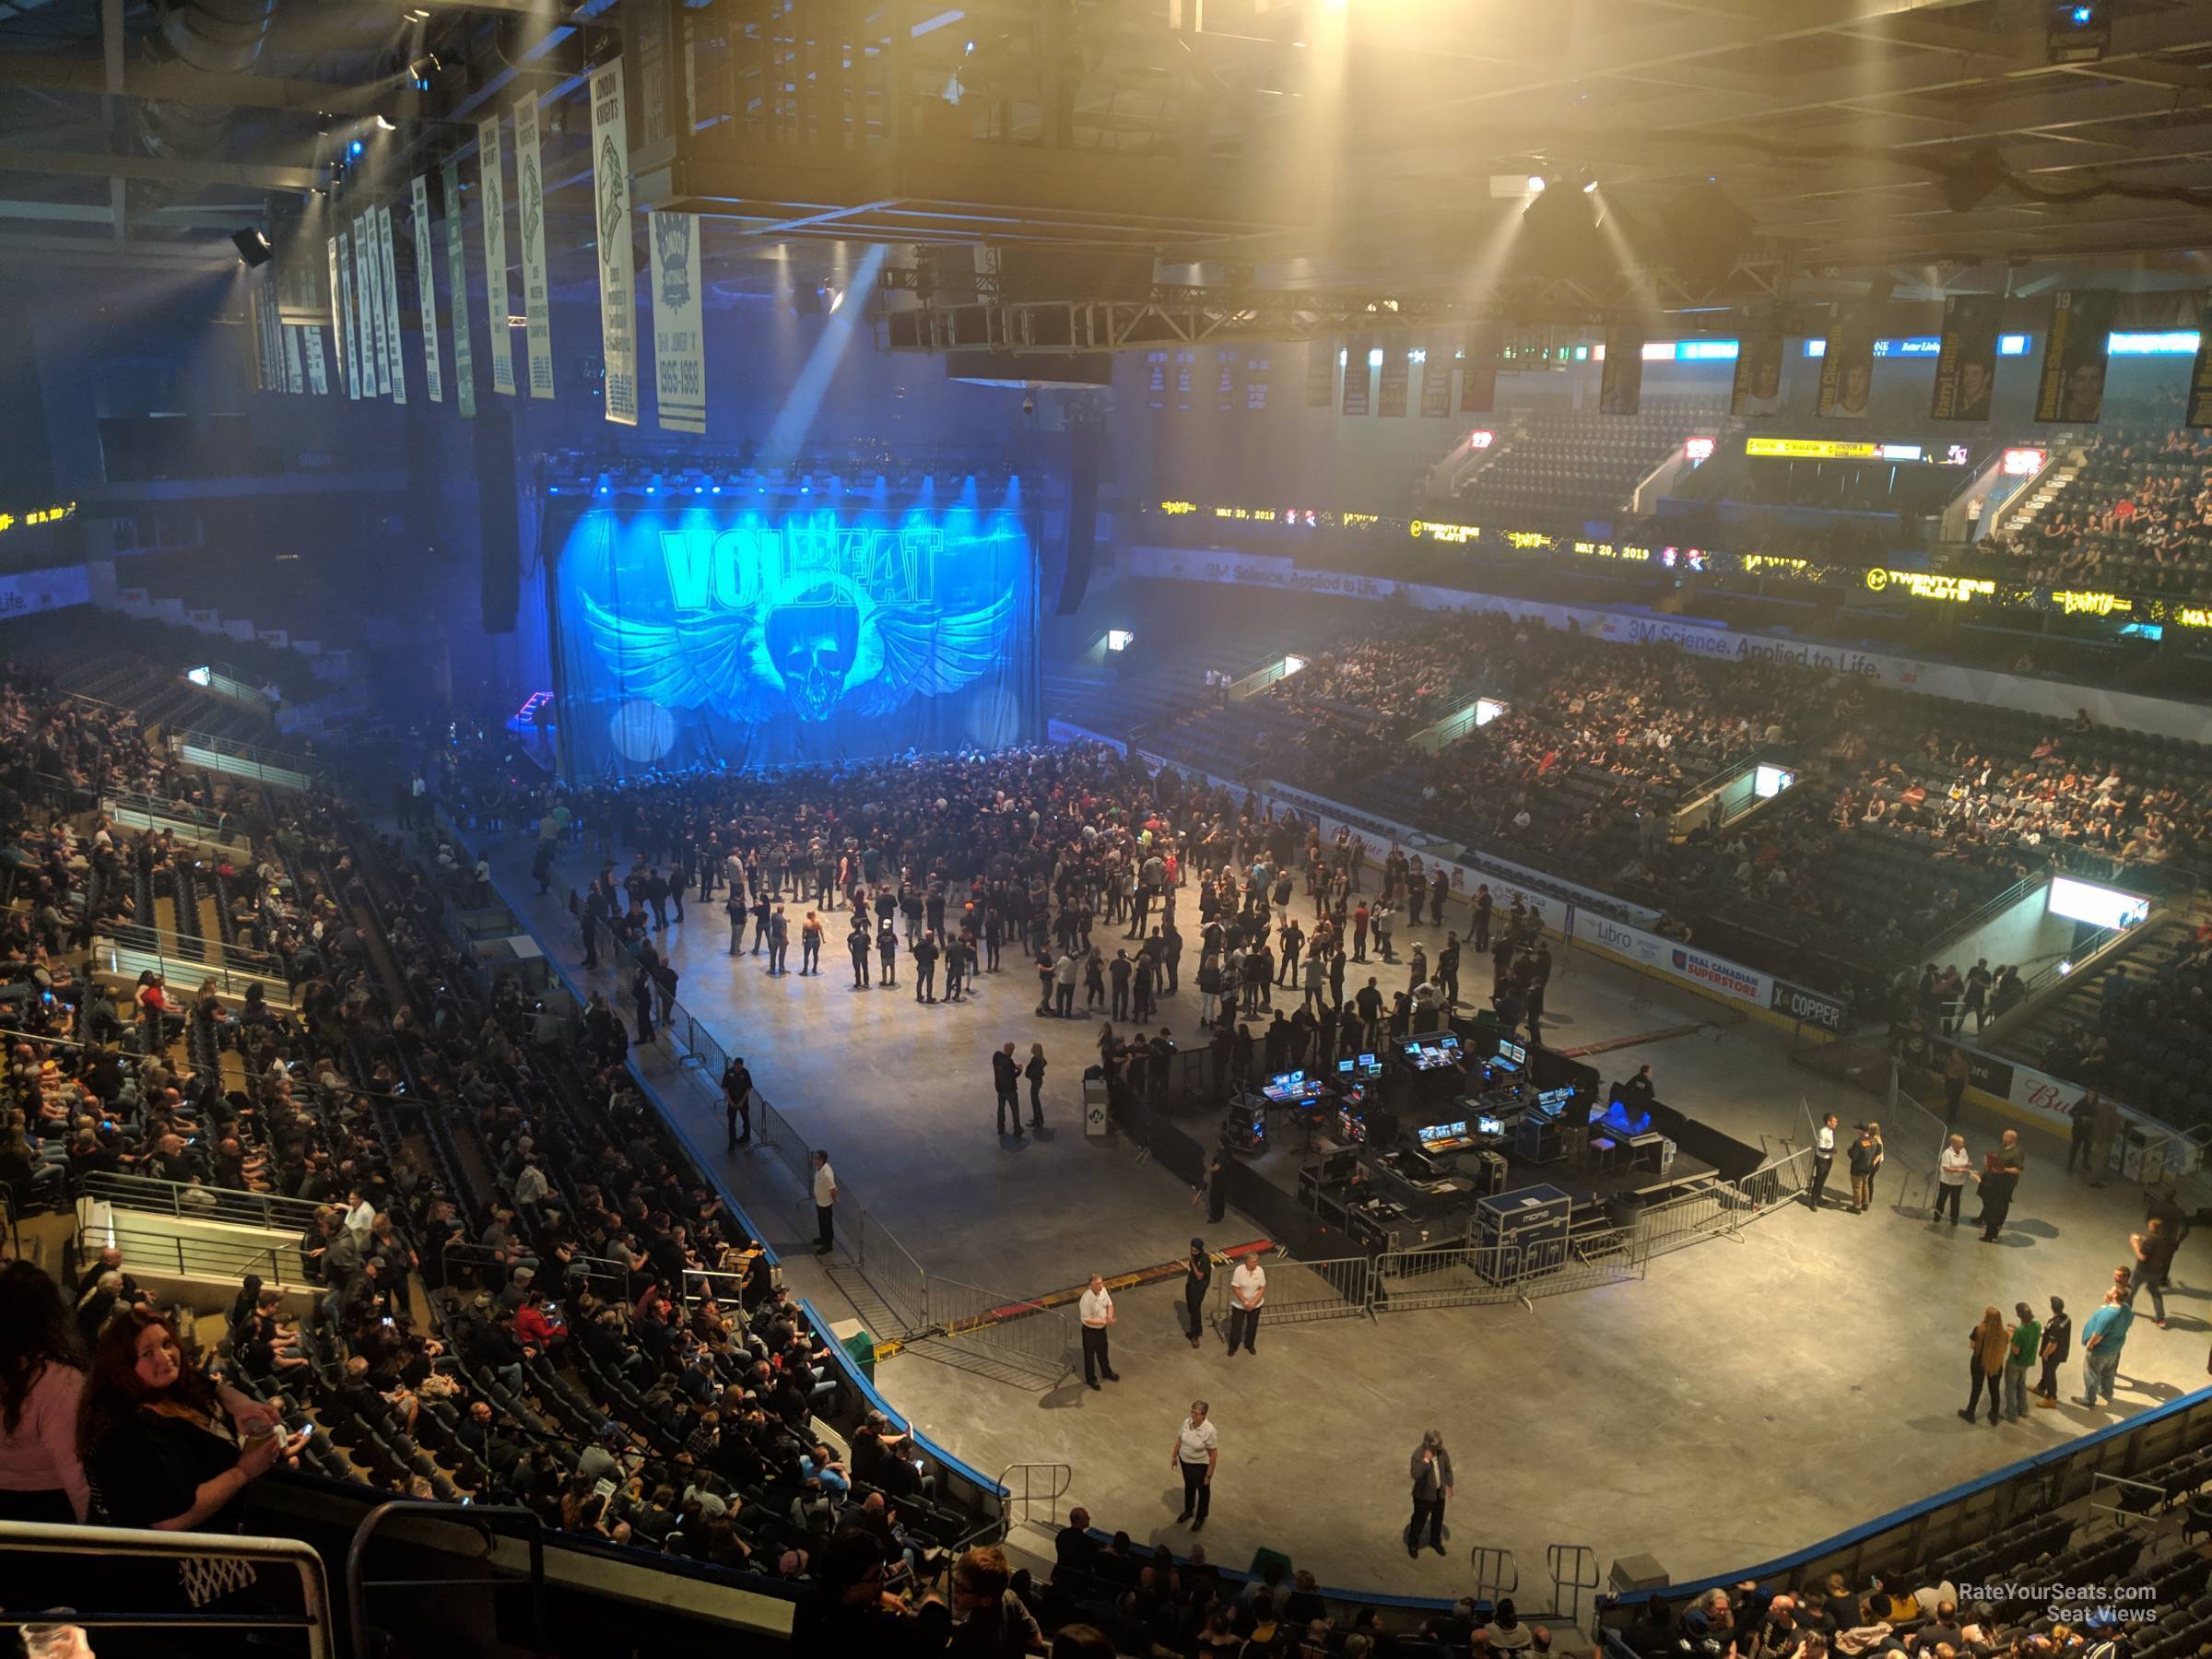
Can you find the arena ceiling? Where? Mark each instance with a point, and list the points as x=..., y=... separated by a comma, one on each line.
x=1346, y=144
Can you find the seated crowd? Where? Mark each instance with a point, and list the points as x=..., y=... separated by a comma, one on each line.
x=1922, y=808
x=2136, y=518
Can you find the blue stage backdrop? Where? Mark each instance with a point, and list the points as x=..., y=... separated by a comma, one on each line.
x=707, y=629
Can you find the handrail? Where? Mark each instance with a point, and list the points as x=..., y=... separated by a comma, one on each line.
x=138, y=935
x=1064, y=1477
x=197, y=1257
x=150, y=1194
x=482, y=1520
x=88, y=1542
x=125, y=958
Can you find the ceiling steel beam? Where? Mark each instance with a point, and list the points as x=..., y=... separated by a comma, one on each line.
x=180, y=84
x=239, y=175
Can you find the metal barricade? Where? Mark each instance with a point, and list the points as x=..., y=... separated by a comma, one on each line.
x=891, y=1271
x=231, y=1205
x=1042, y=1486
x=1035, y=1337
x=1683, y=1220
x=1301, y=1292
x=1406, y=1281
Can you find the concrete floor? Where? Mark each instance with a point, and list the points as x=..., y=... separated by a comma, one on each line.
x=1822, y=1357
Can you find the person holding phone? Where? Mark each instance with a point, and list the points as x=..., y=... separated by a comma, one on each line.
x=164, y=1446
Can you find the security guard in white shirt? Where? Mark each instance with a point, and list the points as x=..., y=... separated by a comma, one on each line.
x=1824, y=1157
x=1097, y=1312
x=1197, y=1449
x=1247, y=1290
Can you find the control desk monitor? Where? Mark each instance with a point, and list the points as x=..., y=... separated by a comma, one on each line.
x=1432, y=1056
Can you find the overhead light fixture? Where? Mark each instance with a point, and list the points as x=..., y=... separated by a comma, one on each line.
x=383, y=124
x=2078, y=32
x=1535, y=183
x=1589, y=181
x=355, y=149
x=418, y=13
x=422, y=68
x=253, y=246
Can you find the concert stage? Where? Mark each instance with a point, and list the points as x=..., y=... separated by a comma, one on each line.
x=747, y=619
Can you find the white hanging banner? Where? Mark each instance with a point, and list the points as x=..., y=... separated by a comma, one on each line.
x=494, y=191
x=318, y=376
x=295, y=376
x=368, y=263
x=680, y=341
x=388, y=286
x=341, y=321
x=530, y=215
x=456, y=278
x=426, y=291
x=618, y=260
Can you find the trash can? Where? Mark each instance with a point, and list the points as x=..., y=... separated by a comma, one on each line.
x=860, y=1347
x=1098, y=1121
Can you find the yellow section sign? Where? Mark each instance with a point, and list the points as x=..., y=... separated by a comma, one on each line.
x=1812, y=449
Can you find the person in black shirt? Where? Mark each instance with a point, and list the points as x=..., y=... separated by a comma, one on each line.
x=1006, y=1078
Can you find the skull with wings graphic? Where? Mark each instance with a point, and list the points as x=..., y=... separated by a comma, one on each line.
x=815, y=644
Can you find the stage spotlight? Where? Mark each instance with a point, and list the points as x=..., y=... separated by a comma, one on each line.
x=355, y=149
x=383, y=124
x=252, y=247
x=418, y=13
x=1535, y=183
x=422, y=68
x=1589, y=181
x=715, y=489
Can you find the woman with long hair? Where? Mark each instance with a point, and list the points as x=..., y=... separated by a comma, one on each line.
x=41, y=1387
x=167, y=1448
x=1987, y=1345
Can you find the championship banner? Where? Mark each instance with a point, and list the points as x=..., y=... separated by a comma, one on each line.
x=388, y=285
x=1390, y=392
x=1225, y=379
x=295, y=376
x=2072, y=387
x=264, y=359
x=1255, y=384
x=456, y=279
x=2200, y=376
x=1966, y=370
x=618, y=260
x=1620, y=389
x=1436, y=381
x=1479, y=374
x=1321, y=373
x=530, y=215
x=1847, y=370
x=376, y=368
x=1757, y=389
x=318, y=375
x=426, y=290
x=341, y=318
x=1357, y=374
x=493, y=189
x=680, y=341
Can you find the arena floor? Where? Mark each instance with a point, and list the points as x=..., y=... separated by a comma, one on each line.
x=1746, y=1398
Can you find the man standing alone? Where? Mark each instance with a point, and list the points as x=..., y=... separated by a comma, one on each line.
x=825, y=1203
x=1247, y=1290
x=737, y=1102
x=1197, y=1449
x=1431, y=1485
x=1097, y=1312
x=1005, y=1076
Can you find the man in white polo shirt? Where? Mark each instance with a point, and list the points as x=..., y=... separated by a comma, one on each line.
x=825, y=1203
x=1197, y=1449
x=1098, y=1314
x=1247, y=1290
